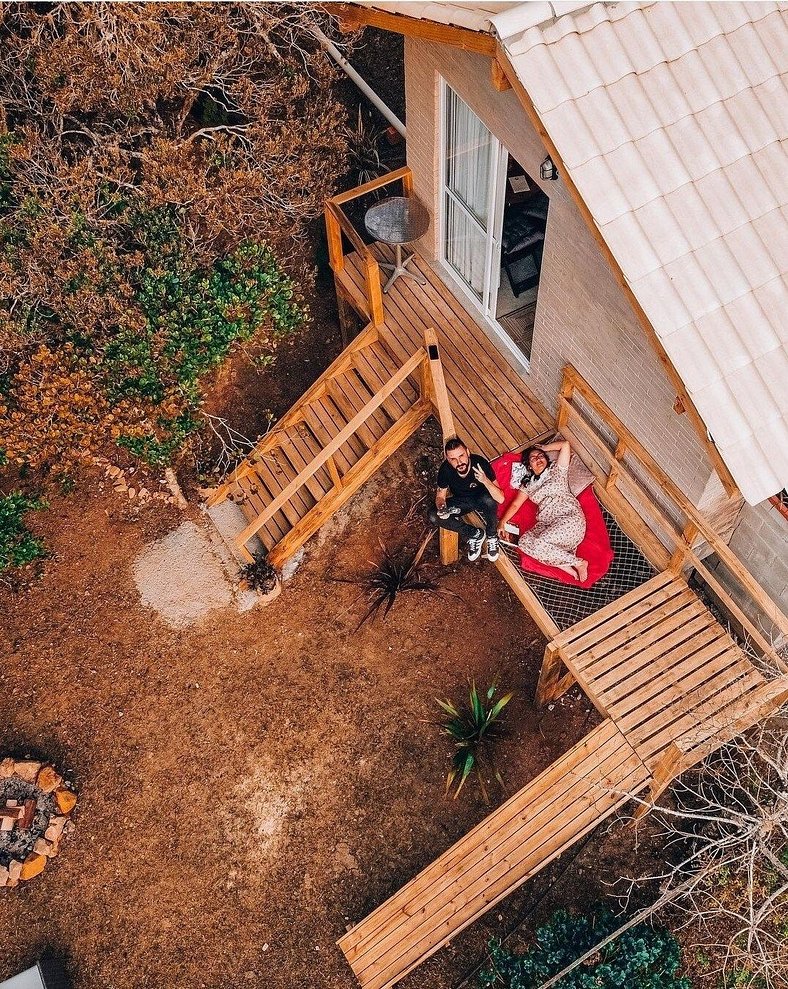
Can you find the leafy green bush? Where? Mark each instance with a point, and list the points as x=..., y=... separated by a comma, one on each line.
x=641, y=958
x=18, y=546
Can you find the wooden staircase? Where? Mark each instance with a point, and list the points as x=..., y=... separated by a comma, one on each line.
x=323, y=450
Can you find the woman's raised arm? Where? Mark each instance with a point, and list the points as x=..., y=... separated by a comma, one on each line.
x=563, y=448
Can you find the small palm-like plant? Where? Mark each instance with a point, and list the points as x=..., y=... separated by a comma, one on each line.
x=394, y=575
x=474, y=728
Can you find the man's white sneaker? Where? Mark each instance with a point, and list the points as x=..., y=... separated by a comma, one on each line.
x=475, y=544
x=491, y=553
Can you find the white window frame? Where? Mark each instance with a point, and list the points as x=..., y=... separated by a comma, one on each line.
x=492, y=236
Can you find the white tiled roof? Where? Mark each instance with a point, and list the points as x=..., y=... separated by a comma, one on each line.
x=671, y=119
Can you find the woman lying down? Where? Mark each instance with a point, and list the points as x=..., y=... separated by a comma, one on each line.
x=560, y=524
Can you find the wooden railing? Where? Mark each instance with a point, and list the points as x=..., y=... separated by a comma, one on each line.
x=666, y=534
x=326, y=455
x=338, y=225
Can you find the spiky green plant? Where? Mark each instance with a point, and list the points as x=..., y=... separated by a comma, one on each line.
x=474, y=728
x=394, y=575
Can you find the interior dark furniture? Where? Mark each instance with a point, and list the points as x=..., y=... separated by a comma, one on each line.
x=522, y=242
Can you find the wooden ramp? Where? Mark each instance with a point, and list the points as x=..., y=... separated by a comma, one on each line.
x=522, y=836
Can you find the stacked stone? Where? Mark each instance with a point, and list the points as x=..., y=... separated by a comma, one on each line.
x=47, y=780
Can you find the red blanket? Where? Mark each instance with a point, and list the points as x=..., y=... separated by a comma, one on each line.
x=595, y=547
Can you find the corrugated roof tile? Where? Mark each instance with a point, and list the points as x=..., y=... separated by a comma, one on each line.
x=659, y=297
x=584, y=73
x=680, y=163
x=598, y=184
x=626, y=239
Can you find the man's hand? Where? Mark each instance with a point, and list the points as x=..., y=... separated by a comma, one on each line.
x=479, y=474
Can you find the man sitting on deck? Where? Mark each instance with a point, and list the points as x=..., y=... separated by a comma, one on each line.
x=471, y=480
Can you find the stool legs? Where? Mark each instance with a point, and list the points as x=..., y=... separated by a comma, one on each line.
x=400, y=269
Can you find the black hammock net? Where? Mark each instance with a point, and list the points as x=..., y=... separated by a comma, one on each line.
x=568, y=605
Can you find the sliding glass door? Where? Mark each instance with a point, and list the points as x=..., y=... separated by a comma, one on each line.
x=473, y=176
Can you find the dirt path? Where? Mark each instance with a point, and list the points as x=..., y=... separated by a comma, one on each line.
x=249, y=784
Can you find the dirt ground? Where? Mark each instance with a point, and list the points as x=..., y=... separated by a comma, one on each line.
x=251, y=784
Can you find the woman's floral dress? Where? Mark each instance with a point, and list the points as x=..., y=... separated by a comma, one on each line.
x=560, y=523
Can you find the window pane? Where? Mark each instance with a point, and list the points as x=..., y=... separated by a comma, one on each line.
x=465, y=247
x=469, y=156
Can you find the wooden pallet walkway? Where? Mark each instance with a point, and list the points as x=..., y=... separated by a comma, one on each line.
x=554, y=810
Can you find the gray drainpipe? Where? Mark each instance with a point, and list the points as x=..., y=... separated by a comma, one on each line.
x=348, y=69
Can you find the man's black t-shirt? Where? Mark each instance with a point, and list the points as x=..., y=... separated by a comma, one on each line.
x=468, y=486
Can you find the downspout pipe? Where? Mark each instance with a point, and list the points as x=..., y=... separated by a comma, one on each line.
x=348, y=69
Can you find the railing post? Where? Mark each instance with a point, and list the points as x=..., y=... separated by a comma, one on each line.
x=566, y=394
x=336, y=255
x=333, y=471
x=434, y=386
x=374, y=290
x=679, y=557
x=618, y=453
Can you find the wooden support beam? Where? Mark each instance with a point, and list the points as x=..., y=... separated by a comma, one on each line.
x=551, y=684
x=440, y=393
x=700, y=426
x=436, y=386
x=667, y=769
x=336, y=255
x=499, y=78
x=374, y=290
x=413, y=27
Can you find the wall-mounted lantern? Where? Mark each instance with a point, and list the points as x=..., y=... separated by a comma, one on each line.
x=547, y=169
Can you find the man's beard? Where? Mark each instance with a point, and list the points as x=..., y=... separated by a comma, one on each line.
x=462, y=471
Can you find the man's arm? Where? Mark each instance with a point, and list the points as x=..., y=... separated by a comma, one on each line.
x=440, y=498
x=481, y=474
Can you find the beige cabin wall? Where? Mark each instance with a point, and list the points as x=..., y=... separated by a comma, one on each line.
x=582, y=314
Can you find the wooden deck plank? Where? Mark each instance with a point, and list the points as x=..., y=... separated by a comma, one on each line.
x=651, y=739
x=643, y=658
x=578, y=804
x=440, y=303
x=605, y=651
x=488, y=411
x=665, y=686
x=476, y=421
x=517, y=414
x=621, y=619
x=624, y=603
x=500, y=821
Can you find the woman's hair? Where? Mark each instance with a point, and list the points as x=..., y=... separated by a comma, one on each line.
x=526, y=459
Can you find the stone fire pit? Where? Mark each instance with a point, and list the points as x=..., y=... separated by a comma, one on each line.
x=35, y=813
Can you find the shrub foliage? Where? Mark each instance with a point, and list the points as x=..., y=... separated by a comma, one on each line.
x=643, y=957
x=155, y=161
x=18, y=546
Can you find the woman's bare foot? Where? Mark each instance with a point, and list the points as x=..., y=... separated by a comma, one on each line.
x=582, y=570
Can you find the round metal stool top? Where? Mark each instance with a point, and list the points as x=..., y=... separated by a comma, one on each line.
x=397, y=220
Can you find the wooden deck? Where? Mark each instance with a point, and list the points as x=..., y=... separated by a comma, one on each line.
x=570, y=798
x=493, y=408
x=669, y=678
